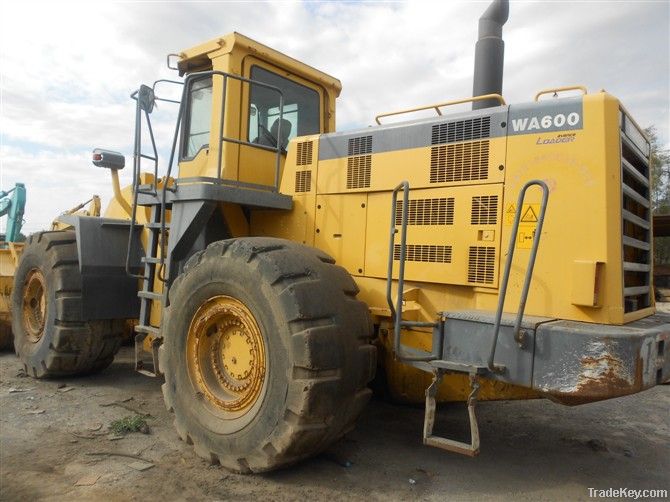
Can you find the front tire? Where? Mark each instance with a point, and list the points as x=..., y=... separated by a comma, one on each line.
x=50, y=336
x=266, y=353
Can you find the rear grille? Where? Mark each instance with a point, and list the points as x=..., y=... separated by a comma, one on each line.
x=484, y=210
x=425, y=253
x=303, y=181
x=459, y=162
x=439, y=211
x=636, y=216
x=481, y=264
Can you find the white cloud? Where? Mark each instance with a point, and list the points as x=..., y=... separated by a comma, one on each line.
x=68, y=68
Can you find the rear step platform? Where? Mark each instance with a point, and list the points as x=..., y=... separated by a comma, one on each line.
x=470, y=449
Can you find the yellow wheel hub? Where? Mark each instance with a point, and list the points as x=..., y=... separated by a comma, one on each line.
x=226, y=354
x=34, y=305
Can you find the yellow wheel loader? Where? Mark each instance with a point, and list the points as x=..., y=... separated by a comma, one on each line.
x=498, y=253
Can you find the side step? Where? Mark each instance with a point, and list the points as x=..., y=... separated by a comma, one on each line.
x=470, y=449
x=440, y=359
x=142, y=332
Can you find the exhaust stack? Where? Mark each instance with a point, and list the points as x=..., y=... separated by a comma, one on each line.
x=489, y=54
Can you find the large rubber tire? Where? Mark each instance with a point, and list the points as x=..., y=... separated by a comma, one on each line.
x=67, y=345
x=318, y=352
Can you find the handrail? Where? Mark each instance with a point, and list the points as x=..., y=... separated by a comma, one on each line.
x=561, y=89
x=508, y=266
x=404, y=186
x=437, y=106
x=396, y=311
x=137, y=159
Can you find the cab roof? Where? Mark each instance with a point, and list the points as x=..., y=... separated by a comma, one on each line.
x=199, y=58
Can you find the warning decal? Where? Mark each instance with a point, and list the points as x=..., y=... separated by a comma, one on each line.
x=509, y=214
x=527, y=225
x=529, y=215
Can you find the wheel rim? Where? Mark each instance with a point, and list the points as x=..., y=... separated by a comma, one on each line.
x=34, y=305
x=226, y=355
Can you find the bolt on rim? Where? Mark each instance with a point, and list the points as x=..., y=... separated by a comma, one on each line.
x=226, y=355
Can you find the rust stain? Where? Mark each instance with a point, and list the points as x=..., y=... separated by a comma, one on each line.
x=603, y=377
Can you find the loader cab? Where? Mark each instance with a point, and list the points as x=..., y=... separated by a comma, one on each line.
x=270, y=99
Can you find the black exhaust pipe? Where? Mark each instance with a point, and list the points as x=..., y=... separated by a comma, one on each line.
x=490, y=54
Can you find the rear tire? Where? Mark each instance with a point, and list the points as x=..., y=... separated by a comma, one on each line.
x=50, y=336
x=312, y=341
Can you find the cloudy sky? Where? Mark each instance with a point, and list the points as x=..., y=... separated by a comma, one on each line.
x=67, y=69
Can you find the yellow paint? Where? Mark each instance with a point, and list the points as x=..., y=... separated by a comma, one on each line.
x=578, y=273
x=586, y=279
x=236, y=54
x=582, y=225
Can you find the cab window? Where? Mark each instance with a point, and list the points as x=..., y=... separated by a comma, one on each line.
x=199, y=117
x=300, y=114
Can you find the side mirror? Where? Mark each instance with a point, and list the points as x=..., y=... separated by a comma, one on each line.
x=146, y=98
x=108, y=159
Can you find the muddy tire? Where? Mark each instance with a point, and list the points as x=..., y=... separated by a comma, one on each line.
x=305, y=382
x=50, y=336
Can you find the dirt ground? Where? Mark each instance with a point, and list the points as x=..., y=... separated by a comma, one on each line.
x=52, y=431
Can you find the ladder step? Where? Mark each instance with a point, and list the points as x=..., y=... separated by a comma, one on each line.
x=150, y=296
x=156, y=226
x=470, y=449
x=147, y=329
x=150, y=259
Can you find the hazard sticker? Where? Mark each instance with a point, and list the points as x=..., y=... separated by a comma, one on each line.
x=529, y=215
x=509, y=214
x=527, y=225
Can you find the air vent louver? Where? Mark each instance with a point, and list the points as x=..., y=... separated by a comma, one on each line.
x=359, y=162
x=439, y=211
x=360, y=146
x=481, y=264
x=459, y=162
x=462, y=130
x=304, y=153
x=424, y=253
x=303, y=181
x=484, y=210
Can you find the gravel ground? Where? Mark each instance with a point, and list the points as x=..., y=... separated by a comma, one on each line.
x=51, y=434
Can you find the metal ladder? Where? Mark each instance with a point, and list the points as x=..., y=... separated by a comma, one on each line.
x=153, y=264
x=433, y=362
x=153, y=261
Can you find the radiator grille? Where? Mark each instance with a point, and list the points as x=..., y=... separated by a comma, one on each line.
x=462, y=130
x=304, y=153
x=439, y=211
x=484, y=210
x=636, y=214
x=459, y=162
x=424, y=253
x=481, y=264
x=303, y=181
